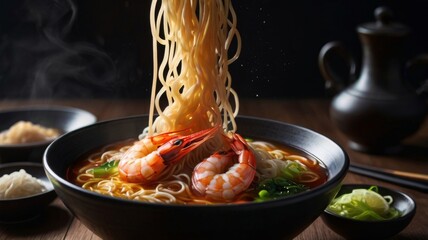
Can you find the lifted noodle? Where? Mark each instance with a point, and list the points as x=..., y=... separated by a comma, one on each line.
x=191, y=91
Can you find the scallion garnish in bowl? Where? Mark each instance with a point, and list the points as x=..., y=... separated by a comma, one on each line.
x=361, y=211
x=364, y=204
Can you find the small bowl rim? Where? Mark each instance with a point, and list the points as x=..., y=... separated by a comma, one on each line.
x=409, y=213
x=27, y=145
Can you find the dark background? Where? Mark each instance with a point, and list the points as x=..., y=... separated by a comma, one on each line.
x=103, y=48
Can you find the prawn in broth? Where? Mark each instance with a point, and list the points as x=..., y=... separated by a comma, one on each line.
x=281, y=171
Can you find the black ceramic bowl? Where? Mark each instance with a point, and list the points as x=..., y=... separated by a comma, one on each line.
x=356, y=229
x=64, y=119
x=114, y=218
x=30, y=207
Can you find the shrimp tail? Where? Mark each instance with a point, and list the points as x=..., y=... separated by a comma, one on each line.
x=241, y=148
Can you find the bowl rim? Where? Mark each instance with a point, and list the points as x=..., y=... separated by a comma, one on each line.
x=411, y=211
x=331, y=182
x=43, y=108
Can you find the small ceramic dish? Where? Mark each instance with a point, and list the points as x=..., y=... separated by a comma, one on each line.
x=30, y=207
x=64, y=119
x=358, y=229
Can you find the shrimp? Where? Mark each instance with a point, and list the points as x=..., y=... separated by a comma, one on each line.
x=149, y=144
x=210, y=178
x=139, y=165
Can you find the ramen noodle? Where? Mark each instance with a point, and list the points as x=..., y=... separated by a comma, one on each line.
x=20, y=184
x=27, y=132
x=273, y=161
x=191, y=151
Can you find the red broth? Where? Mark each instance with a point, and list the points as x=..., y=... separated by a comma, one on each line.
x=251, y=194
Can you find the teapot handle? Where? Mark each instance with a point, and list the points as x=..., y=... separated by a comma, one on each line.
x=420, y=60
x=333, y=82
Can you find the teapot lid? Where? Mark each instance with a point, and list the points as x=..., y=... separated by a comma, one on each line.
x=383, y=25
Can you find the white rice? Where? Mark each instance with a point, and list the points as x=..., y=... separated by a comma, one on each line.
x=27, y=132
x=20, y=184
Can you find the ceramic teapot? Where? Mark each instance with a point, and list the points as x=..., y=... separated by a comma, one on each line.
x=378, y=108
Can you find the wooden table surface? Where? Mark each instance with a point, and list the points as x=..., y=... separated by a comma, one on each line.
x=58, y=223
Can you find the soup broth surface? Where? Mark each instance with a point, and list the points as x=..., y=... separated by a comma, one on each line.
x=291, y=172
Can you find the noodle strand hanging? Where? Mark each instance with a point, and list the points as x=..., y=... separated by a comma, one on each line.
x=190, y=152
x=193, y=72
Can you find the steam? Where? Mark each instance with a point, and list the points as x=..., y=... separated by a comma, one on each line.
x=47, y=64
